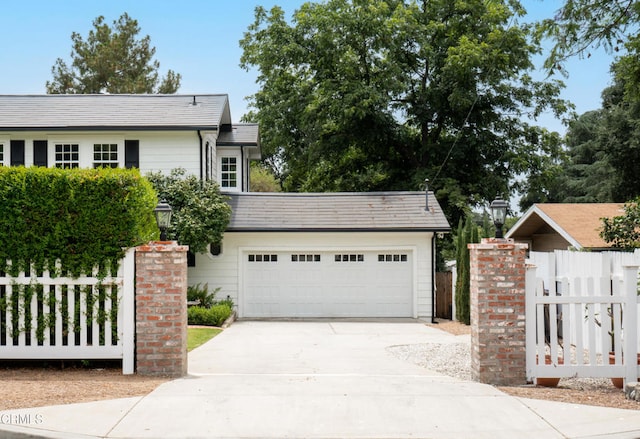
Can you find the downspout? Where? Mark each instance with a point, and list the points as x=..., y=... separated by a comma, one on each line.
x=433, y=278
x=433, y=256
x=201, y=165
x=245, y=176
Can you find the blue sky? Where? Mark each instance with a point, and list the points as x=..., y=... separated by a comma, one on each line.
x=199, y=39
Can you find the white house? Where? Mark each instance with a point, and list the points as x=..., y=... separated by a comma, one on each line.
x=283, y=255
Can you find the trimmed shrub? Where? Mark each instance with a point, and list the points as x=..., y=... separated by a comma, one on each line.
x=214, y=316
x=82, y=217
x=201, y=294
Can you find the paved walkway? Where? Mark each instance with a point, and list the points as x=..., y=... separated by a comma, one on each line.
x=319, y=380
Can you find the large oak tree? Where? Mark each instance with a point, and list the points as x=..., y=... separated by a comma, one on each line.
x=378, y=95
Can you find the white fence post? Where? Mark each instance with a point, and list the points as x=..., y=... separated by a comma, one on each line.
x=454, y=277
x=530, y=319
x=630, y=285
x=128, y=324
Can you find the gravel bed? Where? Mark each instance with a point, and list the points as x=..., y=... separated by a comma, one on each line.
x=454, y=360
x=451, y=359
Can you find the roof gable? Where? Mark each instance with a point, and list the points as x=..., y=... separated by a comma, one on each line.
x=377, y=211
x=109, y=112
x=578, y=223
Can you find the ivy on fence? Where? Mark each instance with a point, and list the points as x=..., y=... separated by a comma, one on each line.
x=25, y=305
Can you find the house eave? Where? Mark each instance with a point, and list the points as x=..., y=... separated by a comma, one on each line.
x=334, y=230
x=238, y=145
x=112, y=128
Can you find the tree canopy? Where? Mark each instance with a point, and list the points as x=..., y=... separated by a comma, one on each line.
x=623, y=231
x=379, y=95
x=602, y=151
x=111, y=60
x=581, y=26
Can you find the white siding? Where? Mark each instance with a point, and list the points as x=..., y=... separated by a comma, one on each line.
x=164, y=151
x=159, y=150
x=223, y=270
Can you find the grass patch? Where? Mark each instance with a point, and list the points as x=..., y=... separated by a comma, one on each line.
x=199, y=336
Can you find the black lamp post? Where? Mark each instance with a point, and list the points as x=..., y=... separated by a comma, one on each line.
x=163, y=218
x=499, y=213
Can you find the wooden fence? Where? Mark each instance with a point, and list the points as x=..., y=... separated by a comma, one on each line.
x=48, y=317
x=444, y=295
x=580, y=307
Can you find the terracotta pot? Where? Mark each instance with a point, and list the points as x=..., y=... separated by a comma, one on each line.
x=549, y=382
x=618, y=382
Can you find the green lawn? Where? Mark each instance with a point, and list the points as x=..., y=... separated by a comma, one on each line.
x=198, y=336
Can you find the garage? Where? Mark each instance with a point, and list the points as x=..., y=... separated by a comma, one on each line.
x=287, y=255
x=339, y=283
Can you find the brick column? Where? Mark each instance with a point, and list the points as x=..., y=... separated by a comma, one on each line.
x=498, y=312
x=161, y=309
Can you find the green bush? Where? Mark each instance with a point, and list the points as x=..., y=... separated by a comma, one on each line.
x=214, y=316
x=228, y=301
x=201, y=294
x=200, y=213
x=82, y=217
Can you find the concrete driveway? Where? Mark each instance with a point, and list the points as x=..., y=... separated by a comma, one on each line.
x=323, y=379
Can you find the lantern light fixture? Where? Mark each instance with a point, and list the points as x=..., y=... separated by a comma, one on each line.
x=163, y=213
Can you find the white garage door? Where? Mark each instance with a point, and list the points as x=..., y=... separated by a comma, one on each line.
x=327, y=284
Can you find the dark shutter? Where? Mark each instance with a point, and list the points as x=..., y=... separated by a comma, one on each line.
x=131, y=154
x=40, y=153
x=17, y=153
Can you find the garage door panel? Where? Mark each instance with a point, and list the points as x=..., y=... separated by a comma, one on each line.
x=327, y=284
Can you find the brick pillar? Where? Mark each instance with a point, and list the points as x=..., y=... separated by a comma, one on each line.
x=161, y=309
x=498, y=312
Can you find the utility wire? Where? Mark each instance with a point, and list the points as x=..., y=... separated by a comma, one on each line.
x=455, y=141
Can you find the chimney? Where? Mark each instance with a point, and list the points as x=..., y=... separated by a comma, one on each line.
x=426, y=194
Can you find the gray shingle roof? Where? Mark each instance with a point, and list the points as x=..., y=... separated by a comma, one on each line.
x=245, y=134
x=84, y=112
x=370, y=211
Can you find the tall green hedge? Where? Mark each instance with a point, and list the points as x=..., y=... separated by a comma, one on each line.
x=81, y=217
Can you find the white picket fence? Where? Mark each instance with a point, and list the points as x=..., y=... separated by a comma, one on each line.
x=83, y=318
x=579, y=307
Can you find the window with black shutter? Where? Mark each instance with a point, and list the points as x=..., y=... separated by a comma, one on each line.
x=40, y=153
x=17, y=153
x=131, y=154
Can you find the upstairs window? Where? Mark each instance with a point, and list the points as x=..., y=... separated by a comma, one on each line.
x=67, y=156
x=105, y=155
x=229, y=172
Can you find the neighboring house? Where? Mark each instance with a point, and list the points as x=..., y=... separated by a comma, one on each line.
x=547, y=227
x=283, y=255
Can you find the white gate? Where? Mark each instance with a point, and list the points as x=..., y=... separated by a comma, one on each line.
x=580, y=307
x=48, y=317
